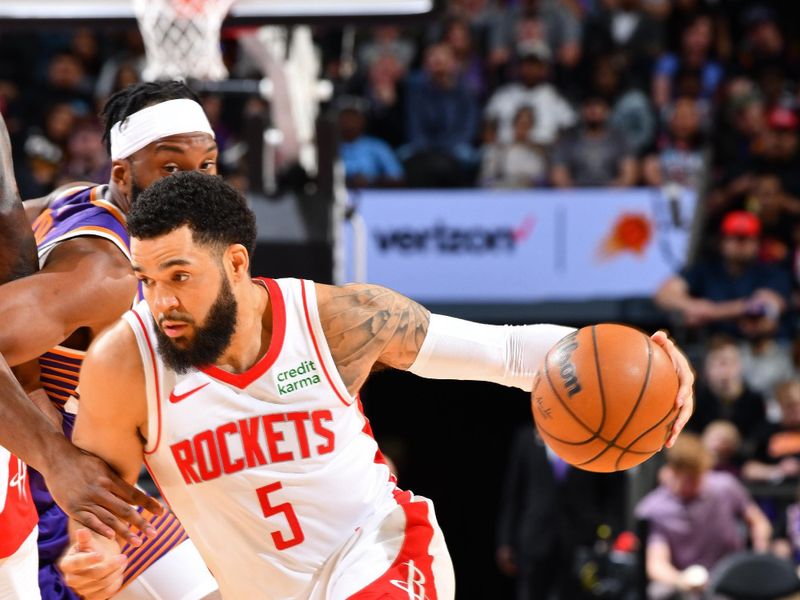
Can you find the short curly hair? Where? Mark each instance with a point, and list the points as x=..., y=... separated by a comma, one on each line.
x=215, y=212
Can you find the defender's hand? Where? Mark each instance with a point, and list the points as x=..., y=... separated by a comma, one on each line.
x=90, y=492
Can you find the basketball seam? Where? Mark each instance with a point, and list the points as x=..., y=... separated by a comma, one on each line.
x=599, y=380
x=644, y=433
x=595, y=434
x=612, y=443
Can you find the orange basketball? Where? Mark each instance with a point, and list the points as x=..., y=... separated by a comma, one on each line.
x=604, y=400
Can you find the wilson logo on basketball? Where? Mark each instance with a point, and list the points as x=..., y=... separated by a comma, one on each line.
x=455, y=239
x=567, y=372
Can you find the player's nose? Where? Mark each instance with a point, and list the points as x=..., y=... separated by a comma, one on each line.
x=165, y=301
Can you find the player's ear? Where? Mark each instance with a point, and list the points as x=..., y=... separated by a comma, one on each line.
x=121, y=176
x=238, y=260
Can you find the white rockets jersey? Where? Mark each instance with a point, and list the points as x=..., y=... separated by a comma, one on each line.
x=272, y=470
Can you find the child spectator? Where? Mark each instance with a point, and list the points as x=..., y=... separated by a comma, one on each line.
x=520, y=164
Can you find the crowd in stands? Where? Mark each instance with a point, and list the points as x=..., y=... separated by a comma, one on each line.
x=552, y=93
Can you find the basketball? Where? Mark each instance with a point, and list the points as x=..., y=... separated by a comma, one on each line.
x=604, y=399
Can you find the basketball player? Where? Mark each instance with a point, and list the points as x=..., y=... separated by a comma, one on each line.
x=75, y=476
x=241, y=396
x=85, y=284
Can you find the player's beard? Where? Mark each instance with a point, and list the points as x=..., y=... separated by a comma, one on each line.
x=209, y=341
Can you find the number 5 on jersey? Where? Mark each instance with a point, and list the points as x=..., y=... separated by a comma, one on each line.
x=269, y=510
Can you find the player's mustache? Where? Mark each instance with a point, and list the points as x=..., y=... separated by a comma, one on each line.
x=176, y=316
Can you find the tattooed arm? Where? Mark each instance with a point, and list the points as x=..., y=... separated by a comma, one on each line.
x=367, y=325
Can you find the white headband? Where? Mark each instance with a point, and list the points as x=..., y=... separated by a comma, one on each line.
x=155, y=122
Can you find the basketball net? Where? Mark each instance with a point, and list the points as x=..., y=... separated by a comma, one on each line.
x=181, y=38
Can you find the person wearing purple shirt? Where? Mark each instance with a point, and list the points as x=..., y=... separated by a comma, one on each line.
x=694, y=519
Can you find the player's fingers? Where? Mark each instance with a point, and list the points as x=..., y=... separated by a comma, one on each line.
x=78, y=562
x=681, y=365
x=97, y=587
x=83, y=540
x=109, y=567
x=685, y=398
x=107, y=586
x=125, y=514
x=680, y=422
x=135, y=496
x=119, y=527
x=88, y=519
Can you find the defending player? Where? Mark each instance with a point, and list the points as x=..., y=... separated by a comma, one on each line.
x=241, y=396
x=25, y=430
x=85, y=284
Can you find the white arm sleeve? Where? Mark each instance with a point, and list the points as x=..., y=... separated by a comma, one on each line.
x=504, y=354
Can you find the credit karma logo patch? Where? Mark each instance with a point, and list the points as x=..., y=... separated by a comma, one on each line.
x=454, y=239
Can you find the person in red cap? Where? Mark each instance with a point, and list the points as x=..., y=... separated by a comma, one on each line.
x=735, y=293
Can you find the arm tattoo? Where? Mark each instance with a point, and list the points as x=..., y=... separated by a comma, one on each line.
x=369, y=324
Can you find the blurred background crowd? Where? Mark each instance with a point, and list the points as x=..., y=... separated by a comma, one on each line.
x=556, y=93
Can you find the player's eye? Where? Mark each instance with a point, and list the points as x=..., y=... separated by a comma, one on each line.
x=209, y=164
x=146, y=281
x=180, y=277
x=171, y=168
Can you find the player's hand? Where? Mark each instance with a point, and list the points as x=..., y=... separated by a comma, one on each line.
x=698, y=312
x=91, y=570
x=685, y=399
x=90, y=492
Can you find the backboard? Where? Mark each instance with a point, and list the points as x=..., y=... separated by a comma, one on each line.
x=243, y=12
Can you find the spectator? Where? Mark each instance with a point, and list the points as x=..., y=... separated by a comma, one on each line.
x=368, y=161
x=630, y=35
x=548, y=510
x=519, y=164
x=85, y=47
x=631, y=113
x=386, y=40
x=469, y=64
x=553, y=113
x=694, y=519
x=681, y=150
x=45, y=149
x=695, y=55
x=764, y=44
x=87, y=159
x=559, y=26
x=67, y=83
x=735, y=293
x=213, y=106
x=594, y=154
x=743, y=120
x=777, y=445
x=723, y=442
x=482, y=16
x=442, y=121
x=381, y=87
x=781, y=154
x=37, y=173
x=778, y=212
x=722, y=393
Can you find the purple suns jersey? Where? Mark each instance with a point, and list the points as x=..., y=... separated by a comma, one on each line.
x=78, y=212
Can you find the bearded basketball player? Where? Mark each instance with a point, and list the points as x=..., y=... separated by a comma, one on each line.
x=241, y=396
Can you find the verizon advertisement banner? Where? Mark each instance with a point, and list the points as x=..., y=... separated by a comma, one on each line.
x=475, y=246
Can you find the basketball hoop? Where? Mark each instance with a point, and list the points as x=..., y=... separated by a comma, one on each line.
x=181, y=38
